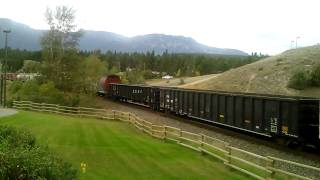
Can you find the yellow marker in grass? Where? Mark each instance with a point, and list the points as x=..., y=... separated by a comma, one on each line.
x=83, y=167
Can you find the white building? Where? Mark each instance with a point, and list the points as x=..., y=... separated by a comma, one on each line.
x=167, y=77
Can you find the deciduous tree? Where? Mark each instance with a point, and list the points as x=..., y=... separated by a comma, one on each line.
x=59, y=47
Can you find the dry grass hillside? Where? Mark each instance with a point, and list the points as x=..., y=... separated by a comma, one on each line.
x=268, y=76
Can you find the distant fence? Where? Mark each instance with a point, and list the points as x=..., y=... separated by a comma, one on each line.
x=254, y=165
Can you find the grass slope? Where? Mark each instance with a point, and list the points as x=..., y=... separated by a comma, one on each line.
x=268, y=76
x=115, y=150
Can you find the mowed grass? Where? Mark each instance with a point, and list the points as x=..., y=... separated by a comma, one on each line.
x=116, y=150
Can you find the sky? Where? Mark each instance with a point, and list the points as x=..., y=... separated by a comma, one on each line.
x=266, y=26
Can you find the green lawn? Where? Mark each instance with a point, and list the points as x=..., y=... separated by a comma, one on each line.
x=115, y=150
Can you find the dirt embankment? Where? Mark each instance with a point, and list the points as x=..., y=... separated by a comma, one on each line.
x=268, y=76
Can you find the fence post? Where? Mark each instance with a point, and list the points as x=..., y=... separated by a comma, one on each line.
x=201, y=143
x=229, y=153
x=151, y=129
x=114, y=115
x=129, y=119
x=180, y=135
x=271, y=165
x=30, y=106
x=165, y=132
x=79, y=111
x=57, y=108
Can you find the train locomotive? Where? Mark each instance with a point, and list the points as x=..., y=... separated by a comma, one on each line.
x=105, y=82
x=292, y=119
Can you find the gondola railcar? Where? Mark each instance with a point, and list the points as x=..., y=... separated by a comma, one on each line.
x=293, y=119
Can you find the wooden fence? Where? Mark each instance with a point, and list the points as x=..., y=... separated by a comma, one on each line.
x=254, y=165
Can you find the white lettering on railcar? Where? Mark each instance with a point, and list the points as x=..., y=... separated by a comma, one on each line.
x=274, y=124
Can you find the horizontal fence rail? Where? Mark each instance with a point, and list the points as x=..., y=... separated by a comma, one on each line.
x=254, y=165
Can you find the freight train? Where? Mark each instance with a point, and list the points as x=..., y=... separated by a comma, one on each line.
x=294, y=120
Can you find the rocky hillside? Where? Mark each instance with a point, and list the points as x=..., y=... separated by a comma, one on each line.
x=268, y=76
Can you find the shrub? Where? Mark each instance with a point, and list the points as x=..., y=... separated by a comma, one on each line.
x=181, y=81
x=135, y=77
x=15, y=86
x=49, y=94
x=300, y=80
x=44, y=93
x=29, y=91
x=21, y=158
x=147, y=74
x=315, y=76
x=16, y=138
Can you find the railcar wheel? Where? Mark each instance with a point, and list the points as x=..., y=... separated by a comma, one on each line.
x=293, y=143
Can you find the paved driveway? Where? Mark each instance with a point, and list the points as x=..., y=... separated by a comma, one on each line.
x=7, y=112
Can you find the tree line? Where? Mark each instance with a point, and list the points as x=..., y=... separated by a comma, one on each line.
x=167, y=63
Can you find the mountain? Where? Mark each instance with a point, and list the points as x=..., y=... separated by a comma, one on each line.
x=21, y=36
x=267, y=76
x=24, y=37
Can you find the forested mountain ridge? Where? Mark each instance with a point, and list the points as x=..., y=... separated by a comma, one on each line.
x=24, y=37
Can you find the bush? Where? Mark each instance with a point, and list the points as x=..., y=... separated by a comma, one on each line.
x=49, y=94
x=135, y=77
x=44, y=93
x=147, y=74
x=181, y=81
x=21, y=158
x=315, y=76
x=300, y=80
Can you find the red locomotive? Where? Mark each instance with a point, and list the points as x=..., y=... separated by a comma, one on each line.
x=105, y=82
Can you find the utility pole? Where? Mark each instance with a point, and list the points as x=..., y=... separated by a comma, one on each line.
x=5, y=69
x=297, y=41
x=292, y=42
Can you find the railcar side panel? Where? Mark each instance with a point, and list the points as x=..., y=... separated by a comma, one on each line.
x=221, y=108
x=180, y=107
x=196, y=104
x=185, y=102
x=214, y=107
x=202, y=103
x=208, y=106
x=248, y=109
x=176, y=101
x=230, y=110
x=190, y=100
x=258, y=116
x=271, y=116
x=239, y=112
